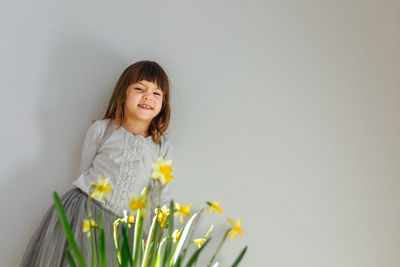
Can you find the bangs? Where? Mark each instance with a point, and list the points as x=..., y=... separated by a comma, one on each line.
x=151, y=72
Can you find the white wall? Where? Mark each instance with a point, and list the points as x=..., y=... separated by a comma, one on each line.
x=288, y=111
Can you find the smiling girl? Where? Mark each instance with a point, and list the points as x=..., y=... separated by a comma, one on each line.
x=122, y=147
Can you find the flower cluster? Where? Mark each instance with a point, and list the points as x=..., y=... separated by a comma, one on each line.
x=154, y=249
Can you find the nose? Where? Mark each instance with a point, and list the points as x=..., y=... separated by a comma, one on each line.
x=147, y=96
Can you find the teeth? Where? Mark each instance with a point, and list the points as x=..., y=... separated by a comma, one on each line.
x=145, y=106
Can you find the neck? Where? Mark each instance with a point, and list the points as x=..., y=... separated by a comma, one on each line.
x=136, y=127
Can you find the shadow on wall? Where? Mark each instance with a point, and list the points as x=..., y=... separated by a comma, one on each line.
x=74, y=90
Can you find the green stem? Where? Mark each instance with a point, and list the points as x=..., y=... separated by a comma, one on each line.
x=116, y=242
x=92, y=245
x=219, y=247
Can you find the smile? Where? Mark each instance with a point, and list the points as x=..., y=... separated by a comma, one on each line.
x=145, y=107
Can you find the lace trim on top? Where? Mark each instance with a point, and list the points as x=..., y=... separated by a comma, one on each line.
x=125, y=184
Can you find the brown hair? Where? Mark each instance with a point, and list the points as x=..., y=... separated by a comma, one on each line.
x=151, y=72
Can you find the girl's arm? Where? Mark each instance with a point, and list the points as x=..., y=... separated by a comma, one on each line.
x=91, y=145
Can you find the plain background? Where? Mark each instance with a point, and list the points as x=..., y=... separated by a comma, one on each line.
x=287, y=111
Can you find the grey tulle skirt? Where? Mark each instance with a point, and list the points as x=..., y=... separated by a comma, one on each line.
x=47, y=245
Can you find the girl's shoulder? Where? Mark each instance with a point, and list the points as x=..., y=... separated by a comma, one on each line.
x=99, y=125
x=98, y=128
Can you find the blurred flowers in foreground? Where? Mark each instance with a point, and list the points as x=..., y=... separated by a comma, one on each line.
x=164, y=245
x=162, y=171
x=88, y=225
x=139, y=203
x=100, y=188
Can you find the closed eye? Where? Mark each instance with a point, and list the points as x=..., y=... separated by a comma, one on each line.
x=141, y=89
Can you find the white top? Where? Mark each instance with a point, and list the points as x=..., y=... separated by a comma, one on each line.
x=126, y=159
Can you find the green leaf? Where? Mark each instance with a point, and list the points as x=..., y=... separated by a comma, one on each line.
x=124, y=257
x=126, y=251
x=168, y=248
x=196, y=254
x=182, y=239
x=178, y=261
x=92, y=245
x=102, y=247
x=209, y=230
x=67, y=229
x=158, y=256
x=69, y=258
x=157, y=236
x=185, y=250
x=239, y=258
x=149, y=239
x=137, y=239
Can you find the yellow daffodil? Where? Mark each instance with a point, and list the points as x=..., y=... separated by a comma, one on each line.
x=88, y=226
x=182, y=210
x=162, y=215
x=100, y=188
x=162, y=171
x=199, y=241
x=215, y=206
x=126, y=219
x=175, y=235
x=139, y=203
x=236, y=228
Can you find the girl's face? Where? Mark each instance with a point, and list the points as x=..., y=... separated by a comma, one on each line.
x=143, y=101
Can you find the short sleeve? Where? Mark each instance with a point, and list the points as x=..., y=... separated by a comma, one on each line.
x=91, y=145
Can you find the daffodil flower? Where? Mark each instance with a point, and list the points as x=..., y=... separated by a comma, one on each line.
x=162, y=215
x=215, y=206
x=88, y=225
x=236, y=228
x=126, y=219
x=199, y=241
x=175, y=235
x=162, y=171
x=100, y=188
x=139, y=203
x=182, y=210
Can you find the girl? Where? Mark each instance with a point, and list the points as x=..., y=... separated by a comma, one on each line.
x=121, y=147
